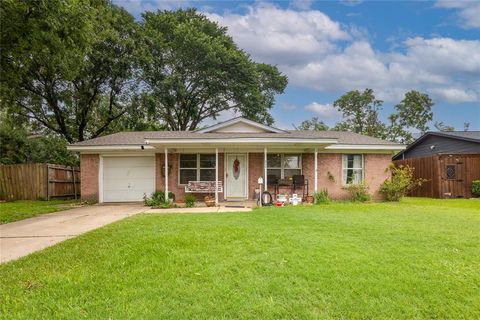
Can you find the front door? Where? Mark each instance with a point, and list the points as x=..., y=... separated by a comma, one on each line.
x=236, y=176
x=453, y=177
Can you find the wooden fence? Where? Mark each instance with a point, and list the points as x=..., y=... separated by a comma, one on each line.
x=38, y=181
x=448, y=175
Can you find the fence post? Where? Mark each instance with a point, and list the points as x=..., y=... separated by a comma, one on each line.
x=74, y=183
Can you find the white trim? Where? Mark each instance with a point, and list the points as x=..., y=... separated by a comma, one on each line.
x=315, y=166
x=230, y=141
x=265, y=169
x=365, y=147
x=362, y=168
x=100, y=179
x=216, y=176
x=237, y=120
x=112, y=147
x=166, y=174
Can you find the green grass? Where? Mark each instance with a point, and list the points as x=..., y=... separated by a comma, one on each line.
x=419, y=259
x=19, y=210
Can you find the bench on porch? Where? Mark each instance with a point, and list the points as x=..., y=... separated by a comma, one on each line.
x=203, y=187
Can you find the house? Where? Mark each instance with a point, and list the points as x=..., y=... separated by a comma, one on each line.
x=449, y=161
x=127, y=165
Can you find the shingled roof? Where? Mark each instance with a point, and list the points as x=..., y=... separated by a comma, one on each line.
x=138, y=137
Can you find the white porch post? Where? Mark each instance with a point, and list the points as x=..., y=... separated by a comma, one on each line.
x=265, y=168
x=315, y=185
x=166, y=174
x=216, y=176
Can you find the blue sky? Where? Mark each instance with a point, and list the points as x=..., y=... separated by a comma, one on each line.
x=328, y=48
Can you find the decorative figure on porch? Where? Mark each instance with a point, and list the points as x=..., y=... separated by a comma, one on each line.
x=236, y=168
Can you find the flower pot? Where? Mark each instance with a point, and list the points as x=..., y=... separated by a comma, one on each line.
x=309, y=199
x=209, y=201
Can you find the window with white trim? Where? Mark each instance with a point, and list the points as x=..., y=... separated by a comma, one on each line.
x=352, y=166
x=284, y=166
x=196, y=167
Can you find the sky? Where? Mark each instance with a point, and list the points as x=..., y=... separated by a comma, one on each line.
x=327, y=48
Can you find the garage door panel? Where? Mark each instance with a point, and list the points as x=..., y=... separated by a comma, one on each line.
x=128, y=173
x=128, y=178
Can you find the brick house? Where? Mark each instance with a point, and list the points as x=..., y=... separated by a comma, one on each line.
x=236, y=153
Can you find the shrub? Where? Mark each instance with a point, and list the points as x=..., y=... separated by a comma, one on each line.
x=190, y=201
x=400, y=183
x=158, y=199
x=358, y=192
x=476, y=187
x=321, y=197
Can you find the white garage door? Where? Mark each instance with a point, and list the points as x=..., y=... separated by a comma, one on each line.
x=128, y=178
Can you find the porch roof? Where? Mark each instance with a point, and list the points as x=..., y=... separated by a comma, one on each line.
x=330, y=140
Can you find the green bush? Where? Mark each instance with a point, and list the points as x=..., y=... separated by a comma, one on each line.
x=321, y=197
x=476, y=187
x=190, y=201
x=358, y=192
x=400, y=183
x=157, y=199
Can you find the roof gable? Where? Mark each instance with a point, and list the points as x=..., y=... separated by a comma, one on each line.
x=240, y=125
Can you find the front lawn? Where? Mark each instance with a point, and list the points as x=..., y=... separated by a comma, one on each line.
x=19, y=210
x=416, y=259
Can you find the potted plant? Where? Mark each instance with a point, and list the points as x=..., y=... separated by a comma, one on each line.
x=309, y=199
x=209, y=200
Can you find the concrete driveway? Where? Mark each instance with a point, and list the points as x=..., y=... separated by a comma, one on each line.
x=17, y=239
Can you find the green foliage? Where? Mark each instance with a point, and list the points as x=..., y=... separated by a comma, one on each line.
x=157, y=199
x=476, y=187
x=67, y=66
x=193, y=71
x=190, y=201
x=358, y=192
x=400, y=183
x=413, y=112
x=314, y=124
x=17, y=146
x=321, y=197
x=23, y=209
x=360, y=113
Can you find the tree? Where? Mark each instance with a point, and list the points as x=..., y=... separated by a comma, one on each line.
x=67, y=66
x=193, y=71
x=440, y=126
x=314, y=124
x=413, y=112
x=360, y=113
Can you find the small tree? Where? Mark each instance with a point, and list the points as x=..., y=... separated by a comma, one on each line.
x=400, y=183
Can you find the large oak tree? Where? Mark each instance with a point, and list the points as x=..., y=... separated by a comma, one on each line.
x=193, y=71
x=67, y=65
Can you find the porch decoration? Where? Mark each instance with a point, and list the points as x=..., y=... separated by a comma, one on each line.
x=236, y=168
x=209, y=201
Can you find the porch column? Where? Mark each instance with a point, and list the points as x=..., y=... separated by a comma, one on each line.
x=265, y=168
x=216, y=176
x=315, y=165
x=166, y=174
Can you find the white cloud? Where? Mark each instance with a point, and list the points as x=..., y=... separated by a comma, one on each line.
x=316, y=52
x=301, y=4
x=468, y=11
x=324, y=110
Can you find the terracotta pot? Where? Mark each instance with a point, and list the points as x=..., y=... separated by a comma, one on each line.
x=209, y=201
x=309, y=199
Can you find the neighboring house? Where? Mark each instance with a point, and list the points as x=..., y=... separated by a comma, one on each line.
x=124, y=166
x=450, y=161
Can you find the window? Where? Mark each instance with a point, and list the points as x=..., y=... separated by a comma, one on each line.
x=284, y=166
x=352, y=165
x=450, y=171
x=196, y=167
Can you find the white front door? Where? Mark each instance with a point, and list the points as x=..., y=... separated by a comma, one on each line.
x=236, y=176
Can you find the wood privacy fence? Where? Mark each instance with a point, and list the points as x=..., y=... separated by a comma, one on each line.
x=448, y=175
x=38, y=181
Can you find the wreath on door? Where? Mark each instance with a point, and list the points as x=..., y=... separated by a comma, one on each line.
x=236, y=168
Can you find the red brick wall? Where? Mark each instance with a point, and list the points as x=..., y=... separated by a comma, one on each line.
x=375, y=174
x=173, y=186
x=89, y=165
